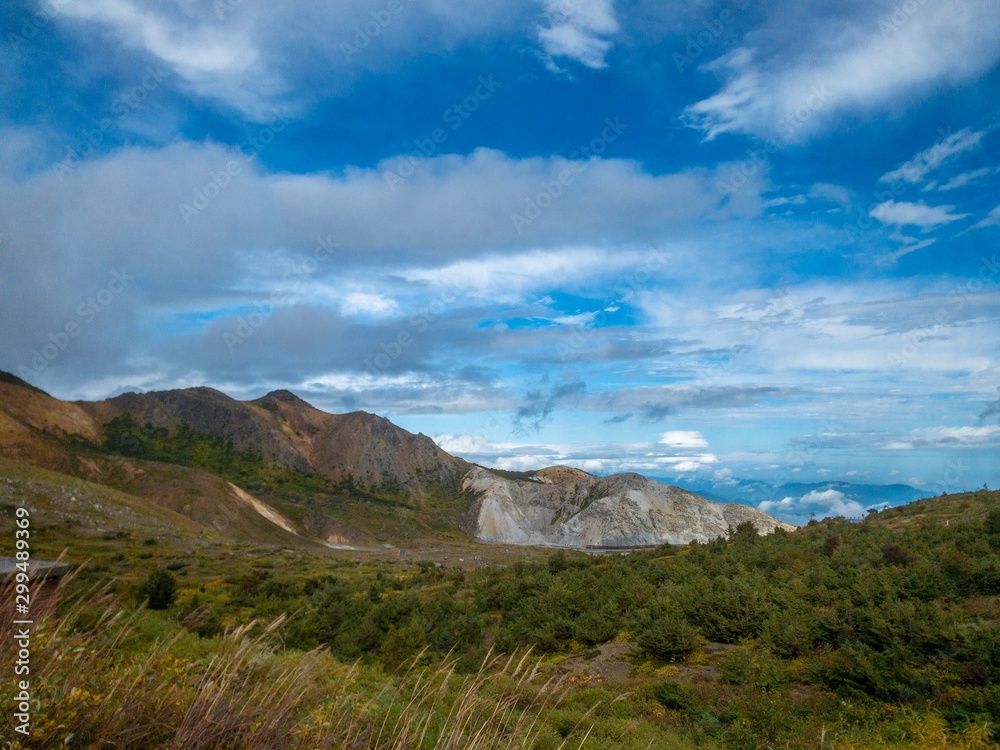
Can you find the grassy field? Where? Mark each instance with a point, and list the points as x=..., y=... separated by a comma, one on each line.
x=872, y=635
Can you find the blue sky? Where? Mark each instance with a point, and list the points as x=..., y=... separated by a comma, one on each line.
x=701, y=240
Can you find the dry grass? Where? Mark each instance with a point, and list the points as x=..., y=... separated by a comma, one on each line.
x=104, y=677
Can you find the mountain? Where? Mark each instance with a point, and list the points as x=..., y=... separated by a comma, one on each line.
x=277, y=467
x=807, y=496
x=566, y=507
x=361, y=448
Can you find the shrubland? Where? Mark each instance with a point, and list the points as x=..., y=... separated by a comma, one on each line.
x=879, y=634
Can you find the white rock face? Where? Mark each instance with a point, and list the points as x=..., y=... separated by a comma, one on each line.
x=566, y=507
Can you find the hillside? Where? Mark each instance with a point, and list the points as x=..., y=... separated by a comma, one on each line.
x=354, y=479
x=566, y=507
x=879, y=634
x=285, y=431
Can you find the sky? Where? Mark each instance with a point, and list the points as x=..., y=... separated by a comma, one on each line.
x=704, y=241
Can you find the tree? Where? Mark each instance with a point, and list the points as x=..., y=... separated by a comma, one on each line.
x=159, y=589
x=668, y=637
x=744, y=533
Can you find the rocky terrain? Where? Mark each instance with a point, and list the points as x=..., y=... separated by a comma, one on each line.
x=566, y=507
x=286, y=431
x=371, y=476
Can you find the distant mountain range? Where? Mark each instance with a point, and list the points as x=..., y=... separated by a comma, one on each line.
x=754, y=492
x=277, y=467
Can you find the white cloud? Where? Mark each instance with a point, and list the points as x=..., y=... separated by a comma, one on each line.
x=683, y=439
x=215, y=61
x=915, y=214
x=992, y=219
x=580, y=30
x=510, y=277
x=917, y=168
x=688, y=464
x=580, y=319
x=858, y=66
x=966, y=178
x=367, y=303
x=821, y=503
x=949, y=437
x=261, y=57
x=835, y=193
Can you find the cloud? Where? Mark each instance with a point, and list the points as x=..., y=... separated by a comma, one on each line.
x=579, y=30
x=966, y=178
x=992, y=219
x=812, y=71
x=618, y=418
x=688, y=464
x=818, y=503
x=991, y=410
x=367, y=303
x=538, y=405
x=915, y=214
x=258, y=57
x=683, y=439
x=921, y=165
x=834, y=193
x=949, y=437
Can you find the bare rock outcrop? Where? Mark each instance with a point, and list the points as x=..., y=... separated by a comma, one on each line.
x=565, y=507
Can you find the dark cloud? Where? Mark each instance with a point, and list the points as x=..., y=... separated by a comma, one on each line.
x=539, y=405
x=991, y=410
x=619, y=419
x=656, y=412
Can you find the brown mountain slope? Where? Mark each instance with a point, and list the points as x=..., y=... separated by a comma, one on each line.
x=351, y=474
x=39, y=430
x=366, y=449
x=33, y=426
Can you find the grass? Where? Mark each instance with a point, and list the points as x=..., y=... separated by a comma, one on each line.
x=232, y=663
x=112, y=678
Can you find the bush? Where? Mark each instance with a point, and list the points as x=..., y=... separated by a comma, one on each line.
x=159, y=590
x=754, y=666
x=674, y=696
x=668, y=637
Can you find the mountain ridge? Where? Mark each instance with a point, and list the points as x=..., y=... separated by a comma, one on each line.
x=333, y=475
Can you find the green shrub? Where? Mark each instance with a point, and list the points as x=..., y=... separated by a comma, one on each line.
x=675, y=696
x=159, y=589
x=669, y=637
x=753, y=665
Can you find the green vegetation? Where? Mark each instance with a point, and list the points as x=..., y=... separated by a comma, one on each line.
x=880, y=634
x=159, y=590
x=124, y=436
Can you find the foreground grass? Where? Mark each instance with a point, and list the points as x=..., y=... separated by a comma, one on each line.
x=132, y=679
x=847, y=636
x=110, y=677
